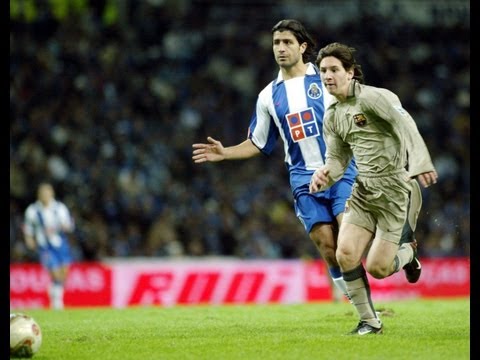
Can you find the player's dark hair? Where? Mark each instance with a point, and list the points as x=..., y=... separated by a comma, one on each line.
x=42, y=183
x=344, y=53
x=301, y=34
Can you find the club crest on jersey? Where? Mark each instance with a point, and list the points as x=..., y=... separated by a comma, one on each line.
x=302, y=124
x=360, y=119
x=314, y=91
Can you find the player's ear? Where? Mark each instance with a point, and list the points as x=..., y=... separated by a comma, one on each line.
x=351, y=73
x=303, y=47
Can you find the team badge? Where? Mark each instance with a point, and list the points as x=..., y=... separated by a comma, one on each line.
x=360, y=119
x=314, y=92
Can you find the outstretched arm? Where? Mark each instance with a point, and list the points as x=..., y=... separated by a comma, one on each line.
x=215, y=151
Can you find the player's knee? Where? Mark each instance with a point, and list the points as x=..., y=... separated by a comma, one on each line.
x=377, y=270
x=57, y=276
x=323, y=237
x=327, y=252
x=345, y=258
x=330, y=258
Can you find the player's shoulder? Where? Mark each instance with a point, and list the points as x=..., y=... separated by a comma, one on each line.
x=31, y=209
x=265, y=95
x=372, y=93
x=332, y=106
x=329, y=114
x=267, y=88
x=61, y=205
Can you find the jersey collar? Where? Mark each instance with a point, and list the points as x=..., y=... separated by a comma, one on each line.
x=311, y=70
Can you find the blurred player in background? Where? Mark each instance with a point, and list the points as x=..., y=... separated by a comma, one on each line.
x=47, y=223
x=370, y=124
x=292, y=107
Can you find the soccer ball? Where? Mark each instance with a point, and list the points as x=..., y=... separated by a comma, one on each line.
x=25, y=336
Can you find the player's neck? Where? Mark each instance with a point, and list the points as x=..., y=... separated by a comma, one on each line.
x=46, y=203
x=299, y=69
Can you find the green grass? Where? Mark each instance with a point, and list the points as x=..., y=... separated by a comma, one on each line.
x=413, y=329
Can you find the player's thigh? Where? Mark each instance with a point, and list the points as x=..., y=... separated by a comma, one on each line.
x=390, y=206
x=59, y=272
x=46, y=258
x=339, y=193
x=381, y=253
x=312, y=210
x=352, y=240
x=59, y=262
x=55, y=273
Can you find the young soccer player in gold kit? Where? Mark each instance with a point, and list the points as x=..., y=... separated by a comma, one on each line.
x=370, y=124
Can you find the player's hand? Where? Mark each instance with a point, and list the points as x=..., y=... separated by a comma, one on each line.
x=208, y=152
x=428, y=178
x=319, y=179
x=31, y=245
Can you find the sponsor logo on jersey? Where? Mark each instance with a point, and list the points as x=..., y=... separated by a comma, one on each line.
x=360, y=119
x=302, y=124
x=314, y=91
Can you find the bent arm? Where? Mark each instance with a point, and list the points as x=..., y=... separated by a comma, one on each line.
x=30, y=242
x=28, y=229
x=338, y=157
x=67, y=222
x=419, y=160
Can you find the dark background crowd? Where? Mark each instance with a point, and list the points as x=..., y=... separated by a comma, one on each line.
x=107, y=98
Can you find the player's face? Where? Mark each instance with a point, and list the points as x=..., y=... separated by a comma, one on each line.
x=45, y=193
x=286, y=49
x=334, y=76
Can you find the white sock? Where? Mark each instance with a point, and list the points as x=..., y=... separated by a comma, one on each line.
x=340, y=284
x=56, y=296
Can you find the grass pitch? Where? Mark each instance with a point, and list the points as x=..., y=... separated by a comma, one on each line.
x=413, y=329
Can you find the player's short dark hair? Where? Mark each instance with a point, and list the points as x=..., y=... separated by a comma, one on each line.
x=41, y=183
x=301, y=34
x=344, y=53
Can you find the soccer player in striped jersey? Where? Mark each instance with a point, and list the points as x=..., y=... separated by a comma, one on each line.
x=370, y=124
x=291, y=107
x=46, y=224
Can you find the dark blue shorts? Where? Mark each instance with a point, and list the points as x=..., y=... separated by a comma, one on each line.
x=55, y=257
x=322, y=207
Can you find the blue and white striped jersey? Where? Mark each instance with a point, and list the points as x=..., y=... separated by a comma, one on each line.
x=293, y=109
x=48, y=225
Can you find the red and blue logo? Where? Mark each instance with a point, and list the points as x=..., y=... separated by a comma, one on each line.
x=302, y=124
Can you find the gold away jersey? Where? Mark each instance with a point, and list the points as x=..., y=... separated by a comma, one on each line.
x=372, y=126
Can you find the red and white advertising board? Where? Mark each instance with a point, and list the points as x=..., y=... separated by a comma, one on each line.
x=88, y=284
x=208, y=282
x=146, y=282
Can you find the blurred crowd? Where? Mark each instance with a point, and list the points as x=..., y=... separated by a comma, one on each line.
x=106, y=99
